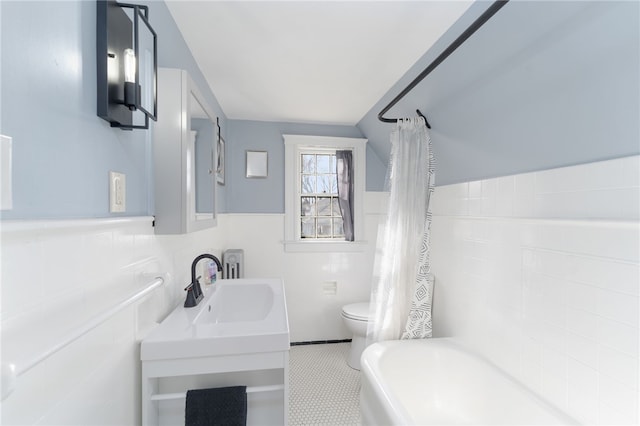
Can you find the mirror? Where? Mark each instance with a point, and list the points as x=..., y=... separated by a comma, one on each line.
x=201, y=161
x=256, y=166
x=184, y=152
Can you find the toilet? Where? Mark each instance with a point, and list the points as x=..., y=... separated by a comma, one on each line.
x=356, y=316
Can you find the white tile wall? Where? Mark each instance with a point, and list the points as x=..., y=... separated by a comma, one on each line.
x=57, y=275
x=313, y=315
x=540, y=272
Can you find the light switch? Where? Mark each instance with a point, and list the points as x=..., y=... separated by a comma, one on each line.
x=6, y=193
x=117, y=192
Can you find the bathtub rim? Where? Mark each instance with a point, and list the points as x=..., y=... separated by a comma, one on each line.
x=395, y=412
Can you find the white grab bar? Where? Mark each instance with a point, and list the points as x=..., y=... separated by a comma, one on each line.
x=183, y=395
x=10, y=372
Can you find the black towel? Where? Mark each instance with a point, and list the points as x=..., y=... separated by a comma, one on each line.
x=217, y=406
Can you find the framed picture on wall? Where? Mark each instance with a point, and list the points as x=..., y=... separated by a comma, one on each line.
x=220, y=157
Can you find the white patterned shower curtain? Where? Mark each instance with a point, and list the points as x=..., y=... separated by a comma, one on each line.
x=402, y=285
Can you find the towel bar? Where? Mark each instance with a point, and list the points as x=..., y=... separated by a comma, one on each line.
x=10, y=372
x=182, y=395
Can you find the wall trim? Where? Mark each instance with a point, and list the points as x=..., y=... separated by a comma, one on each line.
x=8, y=226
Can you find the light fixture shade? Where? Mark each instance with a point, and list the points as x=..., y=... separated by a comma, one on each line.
x=127, y=64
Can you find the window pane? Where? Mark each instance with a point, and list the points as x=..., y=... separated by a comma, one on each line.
x=308, y=206
x=308, y=163
x=338, y=230
x=308, y=184
x=308, y=228
x=324, y=164
x=334, y=184
x=324, y=206
x=335, y=207
x=327, y=184
x=324, y=228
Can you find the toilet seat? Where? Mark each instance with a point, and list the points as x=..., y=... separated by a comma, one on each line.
x=356, y=311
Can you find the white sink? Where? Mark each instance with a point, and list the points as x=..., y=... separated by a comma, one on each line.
x=238, y=303
x=238, y=316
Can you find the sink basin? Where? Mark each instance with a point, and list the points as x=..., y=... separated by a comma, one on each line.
x=238, y=303
x=237, y=316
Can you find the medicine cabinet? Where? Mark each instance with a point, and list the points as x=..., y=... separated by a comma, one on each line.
x=184, y=150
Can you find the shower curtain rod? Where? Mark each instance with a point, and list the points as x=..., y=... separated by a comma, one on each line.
x=492, y=10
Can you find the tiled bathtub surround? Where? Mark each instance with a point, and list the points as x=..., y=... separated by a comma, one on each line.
x=540, y=273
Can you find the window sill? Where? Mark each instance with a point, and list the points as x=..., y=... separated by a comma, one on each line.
x=325, y=246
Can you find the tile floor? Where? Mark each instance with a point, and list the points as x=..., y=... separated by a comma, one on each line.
x=324, y=390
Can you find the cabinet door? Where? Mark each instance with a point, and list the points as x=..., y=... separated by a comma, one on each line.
x=184, y=156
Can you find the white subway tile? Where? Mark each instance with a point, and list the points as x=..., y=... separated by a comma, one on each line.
x=554, y=337
x=475, y=189
x=583, y=349
x=614, y=241
x=555, y=313
x=611, y=203
x=524, y=203
x=531, y=370
x=555, y=390
x=554, y=363
x=474, y=207
x=582, y=322
x=631, y=167
x=554, y=289
x=22, y=277
x=551, y=263
x=608, y=415
x=582, y=392
x=62, y=257
x=606, y=174
x=618, y=306
x=630, y=205
x=618, y=366
x=619, y=336
x=505, y=196
x=563, y=179
x=608, y=274
x=624, y=399
x=582, y=296
x=489, y=197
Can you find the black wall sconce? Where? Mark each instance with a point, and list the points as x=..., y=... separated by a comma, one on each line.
x=127, y=54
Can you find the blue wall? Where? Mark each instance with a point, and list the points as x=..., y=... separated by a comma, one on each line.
x=62, y=151
x=267, y=195
x=541, y=85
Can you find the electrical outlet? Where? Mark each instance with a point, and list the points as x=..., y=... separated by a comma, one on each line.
x=117, y=192
x=330, y=288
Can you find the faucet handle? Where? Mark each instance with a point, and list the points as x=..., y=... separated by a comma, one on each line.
x=190, y=286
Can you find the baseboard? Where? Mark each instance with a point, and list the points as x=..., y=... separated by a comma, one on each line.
x=319, y=342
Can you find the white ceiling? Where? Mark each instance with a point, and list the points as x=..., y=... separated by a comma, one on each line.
x=308, y=61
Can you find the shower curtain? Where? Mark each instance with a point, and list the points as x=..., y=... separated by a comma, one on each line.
x=402, y=286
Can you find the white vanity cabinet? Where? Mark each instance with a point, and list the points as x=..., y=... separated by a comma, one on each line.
x=184, y=141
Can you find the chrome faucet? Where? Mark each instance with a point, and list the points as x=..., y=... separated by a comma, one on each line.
x=194, y=291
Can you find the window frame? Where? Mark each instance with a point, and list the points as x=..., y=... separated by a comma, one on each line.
x=295, y=145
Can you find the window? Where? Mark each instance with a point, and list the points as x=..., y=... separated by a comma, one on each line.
x=313, y=218
x=320, y=215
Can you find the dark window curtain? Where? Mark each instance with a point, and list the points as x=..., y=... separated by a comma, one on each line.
x=344, y=168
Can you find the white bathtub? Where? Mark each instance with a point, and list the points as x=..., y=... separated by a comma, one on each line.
x=437, y=381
